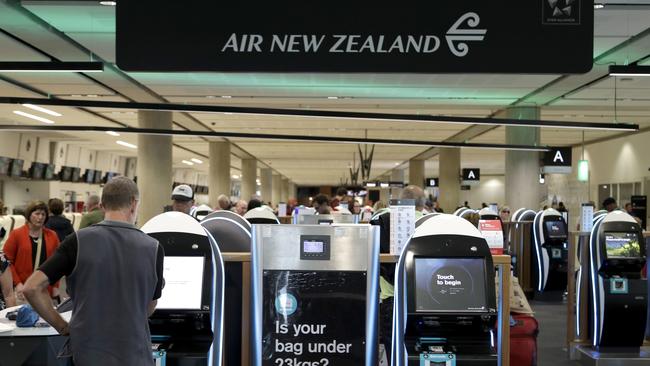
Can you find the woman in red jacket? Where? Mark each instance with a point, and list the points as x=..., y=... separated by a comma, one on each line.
x=30, y=245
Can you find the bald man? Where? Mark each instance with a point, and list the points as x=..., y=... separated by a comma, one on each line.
x=95, y=213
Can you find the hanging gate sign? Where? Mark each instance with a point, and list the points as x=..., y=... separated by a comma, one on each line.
x=499, y=36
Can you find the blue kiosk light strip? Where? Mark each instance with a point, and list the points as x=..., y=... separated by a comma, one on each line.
x=595, y=259
x=216, y=254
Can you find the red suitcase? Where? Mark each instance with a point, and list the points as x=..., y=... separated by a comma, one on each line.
x=523, y=340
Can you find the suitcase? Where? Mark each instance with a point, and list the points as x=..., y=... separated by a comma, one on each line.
x=523, y=340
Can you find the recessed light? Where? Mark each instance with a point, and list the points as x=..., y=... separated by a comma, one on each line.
x=235, y=176
x=108, y=3
x=228, y=113
x=187, y=162
x=124, y=143
x=40, y=119
x=41, y=109
x=197, y=161
x=112, y=133
x=226, y=96
x=599, y=6
x=332, y=97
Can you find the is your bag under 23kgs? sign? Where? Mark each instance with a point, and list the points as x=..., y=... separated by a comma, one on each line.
x=498, y=36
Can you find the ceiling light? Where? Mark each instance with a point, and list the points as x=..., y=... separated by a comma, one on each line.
x=599, y=6
x=197, y=161
x=51, y=66
x=108, y=3
x=187, y=162
x=124, y=143
x=228, y=113
x=235, y=176
x=112, y=133
x=334, y=98
x=40, y=119
x=41, y=109
x=629, y=70
x=226, y=96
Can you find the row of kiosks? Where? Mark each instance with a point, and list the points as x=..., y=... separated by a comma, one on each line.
x=618, y=293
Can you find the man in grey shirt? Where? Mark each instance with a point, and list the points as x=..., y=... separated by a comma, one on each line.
x=114, y=277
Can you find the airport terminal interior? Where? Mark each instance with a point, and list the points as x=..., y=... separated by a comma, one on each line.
x=339, y=184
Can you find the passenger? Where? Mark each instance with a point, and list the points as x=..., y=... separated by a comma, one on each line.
x=253, y=203
x=223, y=202
x=609, y=204
x=505, y=213
x=57, y=222
x=3, y=232
x=292, y=203
x=415, y=193
x=322, y=204
x=95, y=213
x=341, y=196
x=240, y=207
x=436, y=207
x=630, y=211
x=29, y=246
x=354, y=206
x=182, y=199
x=7, y=297
x=112, y=300
x=561, y=207
x=378, y=206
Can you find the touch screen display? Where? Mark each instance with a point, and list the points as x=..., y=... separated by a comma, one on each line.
x=450, y=284
x=313, y=246
x=556, y=229
x=622, y=244
x=183, y=283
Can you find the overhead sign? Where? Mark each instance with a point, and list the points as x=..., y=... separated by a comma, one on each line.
x=557, y=161
x=471, y=176
x=431, y=182
x=499, y=36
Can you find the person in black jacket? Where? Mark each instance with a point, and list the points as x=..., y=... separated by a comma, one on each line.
x=56, y=221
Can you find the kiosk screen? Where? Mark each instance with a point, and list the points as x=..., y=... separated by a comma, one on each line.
x=183, y=283
x=622, y=244
x=450, y=285
x=556, y=229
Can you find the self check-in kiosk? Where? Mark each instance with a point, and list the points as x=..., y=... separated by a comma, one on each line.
x=550, y=254
x=188, y=320
x=445, y=301
x=617, y=291
x=231, y=233
x=261, y=215
x=326, y=219
x=315, y=295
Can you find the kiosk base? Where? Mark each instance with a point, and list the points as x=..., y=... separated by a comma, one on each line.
x=588, y=356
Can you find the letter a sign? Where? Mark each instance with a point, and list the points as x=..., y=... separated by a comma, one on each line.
x=557, y=160
x=471, y=176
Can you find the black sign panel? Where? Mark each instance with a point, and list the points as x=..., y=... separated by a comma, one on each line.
x=558, y=156
x=499, y=36
x=471, y=174
x=640, y=209
x=431, y=182
x=314, y=318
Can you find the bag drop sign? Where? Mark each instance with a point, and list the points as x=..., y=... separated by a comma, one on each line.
x=313, y=318
x=506, y=36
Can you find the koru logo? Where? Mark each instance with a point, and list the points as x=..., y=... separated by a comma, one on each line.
x=561, y=11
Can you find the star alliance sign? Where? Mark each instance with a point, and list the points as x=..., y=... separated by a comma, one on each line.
x=462, y=31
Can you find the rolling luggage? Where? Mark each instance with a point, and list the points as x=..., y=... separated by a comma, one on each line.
x=523, y=340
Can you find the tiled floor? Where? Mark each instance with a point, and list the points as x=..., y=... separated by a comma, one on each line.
x=551, y=348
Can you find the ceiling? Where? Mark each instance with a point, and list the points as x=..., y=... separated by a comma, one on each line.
x=85, y=31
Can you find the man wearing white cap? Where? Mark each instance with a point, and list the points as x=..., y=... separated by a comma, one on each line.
x=182, y=198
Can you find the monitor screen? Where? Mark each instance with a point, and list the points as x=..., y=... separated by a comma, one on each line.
x=622, y=244
x=49, y=172
x=183, y=283
x=76, y=172
x=313, y=246
x=4, y=165
x=37, y=170
x=65, y=174
x=89, y=176
x=17, y=167
x=556, y=229
x=450, y=285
